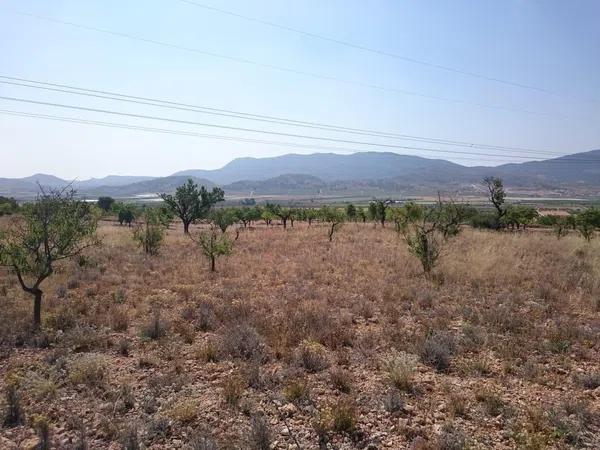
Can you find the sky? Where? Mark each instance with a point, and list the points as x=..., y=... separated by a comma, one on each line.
x=550, y=45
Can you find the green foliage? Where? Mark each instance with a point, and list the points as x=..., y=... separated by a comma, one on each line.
x=105, y=203
x=426, y=228
x=8, y=205
x=484, y=219
x=378, y=211
x=334, y=217
x=519, y=215
x=267, y=216
x=497, y=196
x=126, y=215
x=586, y=222
x=213, y=244
x=224, y=217
x=150, y=233
x=351, y=211
x=191, y=203
x=55, y=227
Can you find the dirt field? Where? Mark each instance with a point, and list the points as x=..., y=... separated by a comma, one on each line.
x=296, y=342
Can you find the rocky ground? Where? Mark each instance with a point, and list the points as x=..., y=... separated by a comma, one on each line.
x=296, y=342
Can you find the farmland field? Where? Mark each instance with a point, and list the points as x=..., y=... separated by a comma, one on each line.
x=341, y=344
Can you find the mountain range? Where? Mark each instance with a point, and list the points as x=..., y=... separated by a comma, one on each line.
x=362, y=173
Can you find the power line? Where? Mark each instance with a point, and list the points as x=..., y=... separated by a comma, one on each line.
x=194, y=134
x=374, y=50
x=282, y=68
x=252, y=130
x=248, y=116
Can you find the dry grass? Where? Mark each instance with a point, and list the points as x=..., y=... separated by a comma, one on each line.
x=509, y=325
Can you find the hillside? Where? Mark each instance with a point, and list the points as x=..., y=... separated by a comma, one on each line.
x=328, y=166
x=365, y=173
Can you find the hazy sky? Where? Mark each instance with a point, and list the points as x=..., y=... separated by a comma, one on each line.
x=553, y=45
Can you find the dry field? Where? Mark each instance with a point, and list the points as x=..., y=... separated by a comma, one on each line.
x=300, y=343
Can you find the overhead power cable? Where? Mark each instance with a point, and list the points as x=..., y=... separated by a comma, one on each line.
x=282, y=68
x=376, y=51
x=202, y=135
x=63, y=88
x=251, y=130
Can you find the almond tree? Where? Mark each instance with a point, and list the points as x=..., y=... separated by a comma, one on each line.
x=190, y=203
x=427, y=228
x=54, y=228
x=496, y=195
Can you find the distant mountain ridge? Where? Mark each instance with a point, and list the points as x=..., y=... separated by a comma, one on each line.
x=318, y=172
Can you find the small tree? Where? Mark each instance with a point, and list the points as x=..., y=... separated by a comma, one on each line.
x=425, y=229
x=54, y=228
x=496, y=195
x=378, y=210
x=126, y=215
x=519, y=215
x=310, y=214
x=190, y=203
x=105, y=203
x=150, y=233
x=213, y=244
x=8, y=205
x=351, y=212
x=334, y=217
x=267, y=216
x=284, y=214
x=224, y=218
x=362, y=214
x=586, y=223
x=559, y=227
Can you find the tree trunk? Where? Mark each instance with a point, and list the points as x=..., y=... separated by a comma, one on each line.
x=37, y=309
x=186, y=227
x=212, y=263
x=284, y=223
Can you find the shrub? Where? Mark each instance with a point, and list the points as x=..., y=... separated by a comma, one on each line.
x=392, y=401
x=297, y=391
x=312, y=356
x=119, y=319
x=243, y=341
x=208, y=352
x=150, y=233
x=450, y=438
x=205, y=317
x=341, y=380
x=201, y=441
x=184, y=412
x=84, y=338
x=491, y=402
x=589, y=380
x=88, y=370
x=400, y=369
x=14, y=414
x=343, y=416
x=260, y=433
x=159, y=427
x=123, y=347
x=129, y=438
x=156, y=327
x=214, y=244
x=233, y=388
x=41, y=424
x=436, y=349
